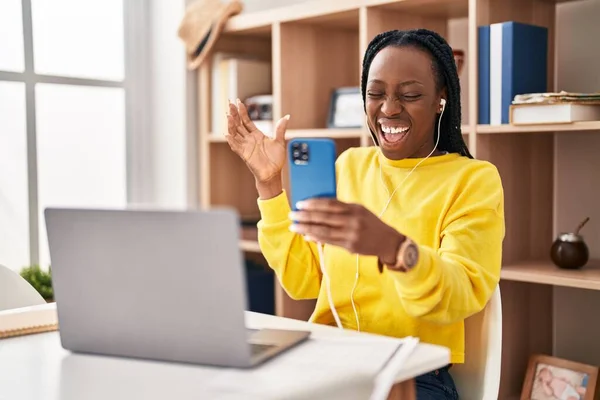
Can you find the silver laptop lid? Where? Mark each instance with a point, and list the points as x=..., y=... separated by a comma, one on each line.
x=165, y=285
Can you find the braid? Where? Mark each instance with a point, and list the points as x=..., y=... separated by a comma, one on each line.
x=444, y=71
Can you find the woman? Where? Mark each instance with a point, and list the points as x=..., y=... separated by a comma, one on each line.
x=413, y=243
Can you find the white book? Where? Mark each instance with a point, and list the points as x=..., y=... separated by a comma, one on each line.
x=232, y=78
x=528, y=114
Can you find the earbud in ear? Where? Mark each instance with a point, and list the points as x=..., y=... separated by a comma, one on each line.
x=443, y=103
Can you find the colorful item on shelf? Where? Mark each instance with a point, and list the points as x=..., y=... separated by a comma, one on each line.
x=513, y=59
x=260, y=107
x=345, y=108
x=202, y=24
x=550, y=377
x=569, y=250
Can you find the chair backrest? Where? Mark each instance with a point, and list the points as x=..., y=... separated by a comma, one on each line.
x=16, y=292
x=479, y=377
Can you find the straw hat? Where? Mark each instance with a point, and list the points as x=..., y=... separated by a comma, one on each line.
x=201, y=25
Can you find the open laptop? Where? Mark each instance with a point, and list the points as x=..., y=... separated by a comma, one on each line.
x=161, y=285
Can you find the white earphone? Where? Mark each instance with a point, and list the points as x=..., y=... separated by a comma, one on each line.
x=443, y=104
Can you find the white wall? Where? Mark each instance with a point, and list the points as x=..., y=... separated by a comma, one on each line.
x=168, y=77
x=576, y=312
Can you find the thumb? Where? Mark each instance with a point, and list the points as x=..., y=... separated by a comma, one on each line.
x=281, y=127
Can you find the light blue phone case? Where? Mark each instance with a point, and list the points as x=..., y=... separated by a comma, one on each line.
x=311, y=168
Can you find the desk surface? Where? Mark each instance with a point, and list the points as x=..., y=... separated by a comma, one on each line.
x=37, y=367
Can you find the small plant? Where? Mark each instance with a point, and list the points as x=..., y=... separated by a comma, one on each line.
x=41, y=280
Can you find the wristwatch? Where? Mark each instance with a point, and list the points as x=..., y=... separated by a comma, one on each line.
x=407, y=256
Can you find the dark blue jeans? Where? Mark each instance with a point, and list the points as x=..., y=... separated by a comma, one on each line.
x=436, y=385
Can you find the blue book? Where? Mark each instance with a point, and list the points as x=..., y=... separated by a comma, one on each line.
x=484, y=74
x=513, y=59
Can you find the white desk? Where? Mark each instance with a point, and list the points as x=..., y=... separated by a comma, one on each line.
x=36, y=367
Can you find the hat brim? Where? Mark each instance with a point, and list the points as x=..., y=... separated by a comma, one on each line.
x=198, y=55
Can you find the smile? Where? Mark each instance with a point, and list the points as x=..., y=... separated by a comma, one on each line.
x=393, y=129
x=393, y=133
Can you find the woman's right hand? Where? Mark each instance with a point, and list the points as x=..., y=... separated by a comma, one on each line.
x=264, y=156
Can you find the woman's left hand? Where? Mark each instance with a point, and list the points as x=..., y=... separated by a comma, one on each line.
x=350, y=226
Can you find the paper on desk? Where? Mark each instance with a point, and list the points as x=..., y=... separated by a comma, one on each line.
x=387, y=376
x=333, y=368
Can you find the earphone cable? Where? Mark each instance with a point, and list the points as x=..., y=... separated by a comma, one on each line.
x=320, y=245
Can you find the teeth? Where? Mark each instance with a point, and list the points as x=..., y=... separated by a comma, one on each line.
x=392, y=130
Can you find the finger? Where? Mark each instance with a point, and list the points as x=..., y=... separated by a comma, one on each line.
x=320, y=233
x=233, y=145
x=281, y=127
x=338, y=243
x=243, y=111
x=320, y=218
x=233, y=111
x=234, y=141
x=232, y=129
x=327, y=205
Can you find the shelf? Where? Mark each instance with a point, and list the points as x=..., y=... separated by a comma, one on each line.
x=318, y=11
x=546, y=128
x=427, y=8
x=545, y=273
x=250, y=246
x=304, y=133
x=334, y=11
x=330, y=133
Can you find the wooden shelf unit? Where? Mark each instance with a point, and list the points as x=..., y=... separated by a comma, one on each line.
x=544, y=272
x=315, y=47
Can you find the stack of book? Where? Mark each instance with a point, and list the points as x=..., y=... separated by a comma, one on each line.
x=553, y=108
x=513, y=59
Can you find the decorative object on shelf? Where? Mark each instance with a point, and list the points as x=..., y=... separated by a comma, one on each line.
x=550, y=378
x=569, y=250
x=41, y=281
x=346, y=108
x=260, y=107
x=202, y=24
x=260, y=111
x=459, y=59
x=513, y=59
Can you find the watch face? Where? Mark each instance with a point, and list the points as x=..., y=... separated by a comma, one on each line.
x=411, y=256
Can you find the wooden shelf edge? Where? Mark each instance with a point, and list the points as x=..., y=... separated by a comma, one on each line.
x=304, y=133
x=250, y=246
x=541, y=128
x=310, y=9
x=546, y=273
x=353, y=133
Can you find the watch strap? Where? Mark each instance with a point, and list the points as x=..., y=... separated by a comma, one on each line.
x=405, y=259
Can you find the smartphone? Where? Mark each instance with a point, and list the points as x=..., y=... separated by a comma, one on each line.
x=311, y=169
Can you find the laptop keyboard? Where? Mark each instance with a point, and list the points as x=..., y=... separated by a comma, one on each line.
x=260, y=348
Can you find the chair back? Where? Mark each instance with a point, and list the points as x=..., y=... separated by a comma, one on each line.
x=479, y=377
x=16, y=292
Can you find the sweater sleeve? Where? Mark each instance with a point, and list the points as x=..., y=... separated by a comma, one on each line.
x=294, y=260
x=457, y=280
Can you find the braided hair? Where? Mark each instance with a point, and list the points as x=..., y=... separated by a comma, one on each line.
x=445, y=74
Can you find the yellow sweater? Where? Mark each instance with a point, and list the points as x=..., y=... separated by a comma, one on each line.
x=451, y=206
